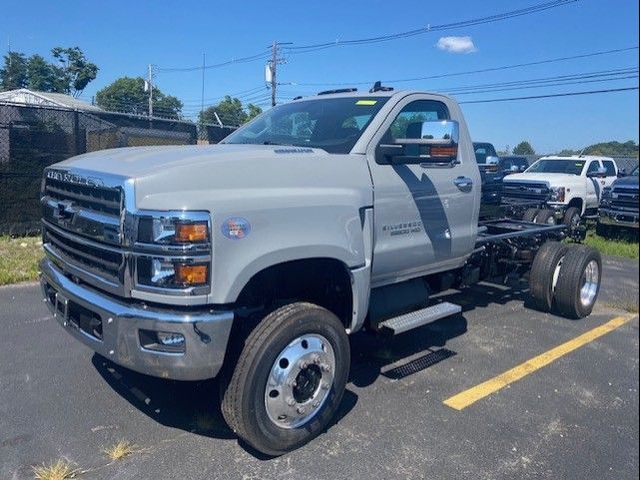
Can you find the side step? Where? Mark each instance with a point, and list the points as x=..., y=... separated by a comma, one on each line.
x=418, y=318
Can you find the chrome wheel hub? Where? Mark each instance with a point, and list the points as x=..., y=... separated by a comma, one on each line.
x=300, y=381
x=590, y=279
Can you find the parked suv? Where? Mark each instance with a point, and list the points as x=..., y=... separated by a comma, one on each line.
x=563, y=189
x=619, y=205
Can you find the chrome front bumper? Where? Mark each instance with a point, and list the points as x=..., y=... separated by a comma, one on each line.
x=119, y=324
x=618, y=218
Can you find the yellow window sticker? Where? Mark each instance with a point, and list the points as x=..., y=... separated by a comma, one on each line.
x=366, y=102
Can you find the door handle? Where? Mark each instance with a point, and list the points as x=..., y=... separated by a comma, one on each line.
x=463, y=183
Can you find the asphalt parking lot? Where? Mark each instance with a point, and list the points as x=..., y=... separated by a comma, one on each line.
x=574, y=418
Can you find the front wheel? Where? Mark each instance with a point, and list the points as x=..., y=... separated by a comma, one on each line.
x=289, y=379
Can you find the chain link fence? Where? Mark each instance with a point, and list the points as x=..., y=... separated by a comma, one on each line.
x=34, y=137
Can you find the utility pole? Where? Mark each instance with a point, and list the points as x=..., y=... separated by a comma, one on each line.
x=202, y=93
x=150, y=81
x=273, y=65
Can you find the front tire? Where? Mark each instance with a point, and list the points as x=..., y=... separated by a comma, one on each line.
x=289, y=379
x=572, y=218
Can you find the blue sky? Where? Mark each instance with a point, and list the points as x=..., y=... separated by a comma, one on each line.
x=122, y=38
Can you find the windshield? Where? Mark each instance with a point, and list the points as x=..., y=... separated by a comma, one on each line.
x=484, y=150
x=333, y=124
x=571, y=167
x=634, y=173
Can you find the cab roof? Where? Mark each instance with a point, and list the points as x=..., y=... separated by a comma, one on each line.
x=575, y=157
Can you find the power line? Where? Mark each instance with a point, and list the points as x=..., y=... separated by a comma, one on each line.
x=553, y=95
x=268, y=54
x=435, y=28
x=470, y=72
x=540, y=82
x=251, y=58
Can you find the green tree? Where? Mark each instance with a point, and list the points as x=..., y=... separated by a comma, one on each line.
x=128, y=95
x=524, y=148
x=626, y=149
x=71, y=72
x=76, y=69
x=230, y=111
x=45, y=77
x=13, y=74
x=253, y=111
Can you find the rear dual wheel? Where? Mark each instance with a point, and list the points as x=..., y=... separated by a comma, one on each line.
x=579, y=282
x=566, y=279
x=546, y=217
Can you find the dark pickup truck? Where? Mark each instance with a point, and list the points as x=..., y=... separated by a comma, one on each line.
x=619, y=206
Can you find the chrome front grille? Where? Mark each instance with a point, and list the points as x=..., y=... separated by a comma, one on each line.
x=84, y=205
x=96, y=259
x=525, y=190
x=93, y=198
x=83, y=217
x=625, y=199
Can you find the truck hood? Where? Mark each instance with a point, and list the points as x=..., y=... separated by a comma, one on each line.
x=197, y=176
x=626, y=182
x=551, y=179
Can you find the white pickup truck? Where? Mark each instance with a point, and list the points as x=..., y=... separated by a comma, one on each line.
x=563, y=189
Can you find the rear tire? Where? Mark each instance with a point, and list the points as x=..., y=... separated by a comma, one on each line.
x=289, y=379
x=530, y=214
x=578, y=282
x=546, y=217
x=544, y=274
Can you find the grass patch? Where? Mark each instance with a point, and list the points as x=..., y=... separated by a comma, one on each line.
x=60, y=470
x=120, y=450
x=615, y=247
x=19, y=259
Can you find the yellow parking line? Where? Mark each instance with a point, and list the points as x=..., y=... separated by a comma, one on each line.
x=468, y=397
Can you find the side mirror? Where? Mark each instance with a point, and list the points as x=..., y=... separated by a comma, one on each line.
x=600, y=173
x=622, y=173
x=428, y=142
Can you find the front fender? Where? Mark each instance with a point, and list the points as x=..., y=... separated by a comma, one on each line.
x=284, y=235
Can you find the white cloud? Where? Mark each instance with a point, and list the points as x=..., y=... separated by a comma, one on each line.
x=456, y=44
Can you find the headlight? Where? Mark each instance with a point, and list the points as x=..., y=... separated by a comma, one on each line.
x=171, y=230
x=174, y=251
x=606, y=192
x=557, y=194
x=172, y=273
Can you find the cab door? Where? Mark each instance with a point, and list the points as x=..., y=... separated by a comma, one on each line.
x=593, y=183
x=612, y=172
x=425, y=217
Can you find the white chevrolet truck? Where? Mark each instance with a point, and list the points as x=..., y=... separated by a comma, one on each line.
x=255, y=259
x=559, y=189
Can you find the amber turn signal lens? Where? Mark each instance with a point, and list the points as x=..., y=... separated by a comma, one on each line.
x=191, y=274
x=448, y=152
x=191, y=232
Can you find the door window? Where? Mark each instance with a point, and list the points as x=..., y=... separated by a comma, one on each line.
x=593, y=167
x=611, y=168
x=408, y=122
